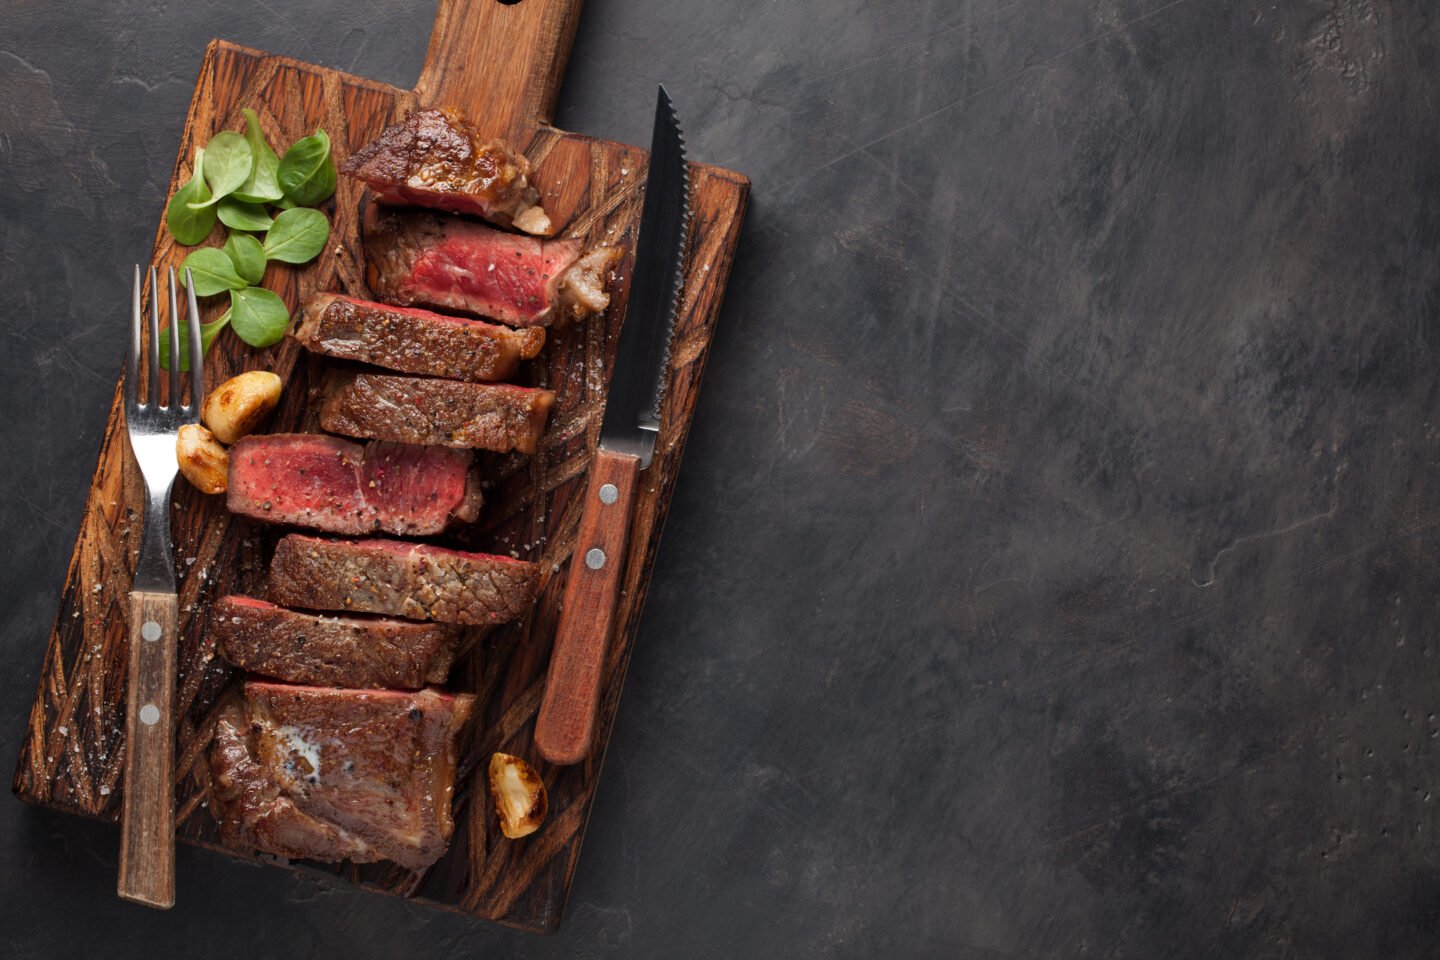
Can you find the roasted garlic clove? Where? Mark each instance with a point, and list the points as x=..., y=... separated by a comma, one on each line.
x=519, y=793
x=203, y=461
x=241, y=404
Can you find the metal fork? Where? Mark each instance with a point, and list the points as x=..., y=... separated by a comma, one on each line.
x=147, y=833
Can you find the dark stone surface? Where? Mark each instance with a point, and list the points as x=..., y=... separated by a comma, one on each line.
x=1052, y=569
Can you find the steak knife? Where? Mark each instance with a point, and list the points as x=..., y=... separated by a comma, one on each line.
x=565, y=726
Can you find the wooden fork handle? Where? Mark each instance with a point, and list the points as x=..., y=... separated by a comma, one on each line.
x=565, y=726
x=147, y=822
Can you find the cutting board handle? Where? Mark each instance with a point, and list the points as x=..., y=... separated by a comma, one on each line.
x=500, y=62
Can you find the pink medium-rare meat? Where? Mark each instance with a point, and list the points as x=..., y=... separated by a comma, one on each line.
x=412, y=340
x=333, y=651
x=329, y=774
x=433, y=158
x=454, y=264
x=426, y=410
x=399, y=579
x=311, y=480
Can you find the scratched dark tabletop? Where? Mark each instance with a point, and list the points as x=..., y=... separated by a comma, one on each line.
x=1052, y=571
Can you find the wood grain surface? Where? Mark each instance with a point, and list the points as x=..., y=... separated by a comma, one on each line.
x=147, y=819
x=565, y=726
x=75, y=745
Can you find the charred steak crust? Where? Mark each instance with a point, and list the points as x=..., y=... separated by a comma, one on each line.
x=336, y=485
x=417, y=581
x=433, y=158
x=414, y=341
x=453, y=264
x=333, y=774
x=357, y=651
x=424, y=410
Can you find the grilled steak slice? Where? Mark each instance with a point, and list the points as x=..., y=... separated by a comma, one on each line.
x=420, y=258
x=355, y=651
x=414, y=341
x=433, y=158
x=401, y=579
x=489, y=416
x=311, y=480
x=338, y=774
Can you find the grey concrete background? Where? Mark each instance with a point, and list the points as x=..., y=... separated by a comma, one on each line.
x=1052, y=571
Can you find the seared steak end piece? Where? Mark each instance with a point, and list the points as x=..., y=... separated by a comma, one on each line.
x=424, y=410
x=332, y=774
x=414, y=341
x=348, y=651
x=417, y=581
x=453, y=264
x=311, y=480
x=433, y=158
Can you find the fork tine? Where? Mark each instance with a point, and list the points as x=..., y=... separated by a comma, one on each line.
x=197, y=359
x=132, y=358
x=174, y=401
x=152, y=362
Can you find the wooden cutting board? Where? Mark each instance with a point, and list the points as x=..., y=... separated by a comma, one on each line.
x=502, y=63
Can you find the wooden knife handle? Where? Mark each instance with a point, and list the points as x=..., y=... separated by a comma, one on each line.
x=147, y=822
x=500, y=62
x=566, y=723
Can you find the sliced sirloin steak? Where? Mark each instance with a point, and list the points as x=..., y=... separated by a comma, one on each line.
x=426, y=410
x=433, y=158
x=326, y=483
x=412, y=580
x=414, y=341
x=450, y=263
x=345, y=651
x=331, y=774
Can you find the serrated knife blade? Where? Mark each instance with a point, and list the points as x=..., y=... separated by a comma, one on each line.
x=637, y=385
x=565, y=725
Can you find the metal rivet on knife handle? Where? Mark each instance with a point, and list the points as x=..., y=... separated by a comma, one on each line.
x=595, y=558
x=608, y=493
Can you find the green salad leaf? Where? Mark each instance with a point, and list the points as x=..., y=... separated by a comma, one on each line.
x=227, y=167
x=239, y=215
x=258, y=315
x=212, y=271
x=297, y=235
x=307, y=171
x=186, y=224
x=262, y=185
x=247, y=256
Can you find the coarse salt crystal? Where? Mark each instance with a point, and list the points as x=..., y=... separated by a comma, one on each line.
x=104, y=791
x=64, y=730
